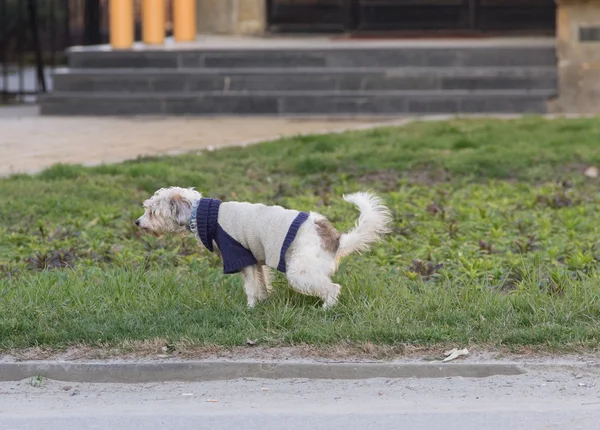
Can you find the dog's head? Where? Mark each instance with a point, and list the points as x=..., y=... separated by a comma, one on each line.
x=168, y=211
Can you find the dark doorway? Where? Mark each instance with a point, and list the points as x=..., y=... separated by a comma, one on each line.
x=467, y=16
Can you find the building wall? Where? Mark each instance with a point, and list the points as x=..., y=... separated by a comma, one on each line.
x=578, y=52
x=232, y=16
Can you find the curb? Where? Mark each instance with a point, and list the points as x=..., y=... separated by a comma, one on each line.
x=220, y=371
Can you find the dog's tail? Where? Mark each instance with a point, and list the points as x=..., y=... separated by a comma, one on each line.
x=372, y=224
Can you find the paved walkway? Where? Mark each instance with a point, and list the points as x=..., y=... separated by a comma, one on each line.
x=29, y=143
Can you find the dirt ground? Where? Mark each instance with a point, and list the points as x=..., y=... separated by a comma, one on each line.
x=29, y=143
x=160, y=350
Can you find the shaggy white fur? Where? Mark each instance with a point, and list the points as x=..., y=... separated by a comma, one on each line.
x=310, y=260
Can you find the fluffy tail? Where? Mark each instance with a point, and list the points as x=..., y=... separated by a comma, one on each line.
x=373, y=223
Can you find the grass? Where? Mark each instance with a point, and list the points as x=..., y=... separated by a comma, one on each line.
x=495, y=242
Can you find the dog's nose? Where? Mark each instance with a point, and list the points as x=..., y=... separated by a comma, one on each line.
x=137, y=222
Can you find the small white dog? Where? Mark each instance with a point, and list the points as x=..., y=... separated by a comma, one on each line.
x=304, y=246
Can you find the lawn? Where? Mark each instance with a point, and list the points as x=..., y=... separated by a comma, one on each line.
x=496, y=242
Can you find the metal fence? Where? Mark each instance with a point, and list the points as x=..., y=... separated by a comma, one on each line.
x=34, y=35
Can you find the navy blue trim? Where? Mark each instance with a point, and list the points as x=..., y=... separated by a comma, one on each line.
x=289, y=238
x=207, y=216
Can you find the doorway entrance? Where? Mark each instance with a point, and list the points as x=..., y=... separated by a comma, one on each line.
x=460, y=16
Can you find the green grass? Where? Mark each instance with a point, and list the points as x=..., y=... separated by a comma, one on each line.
x=496, y=241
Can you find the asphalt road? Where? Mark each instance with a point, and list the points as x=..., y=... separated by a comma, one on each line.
x=539, y=400
x=492, y=420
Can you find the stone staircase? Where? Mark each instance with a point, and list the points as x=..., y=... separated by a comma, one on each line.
x=347, y=80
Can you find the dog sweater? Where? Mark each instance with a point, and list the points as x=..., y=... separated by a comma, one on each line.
x=247, y=233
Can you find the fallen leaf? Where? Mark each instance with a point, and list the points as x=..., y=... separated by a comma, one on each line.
x=591, y=172
x=454, y=353
x=212, y=401
x=115, y=249
x=92, y=222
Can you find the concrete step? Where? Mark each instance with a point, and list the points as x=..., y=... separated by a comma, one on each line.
x=294, y=57
x=310, y=79
x=295, y=103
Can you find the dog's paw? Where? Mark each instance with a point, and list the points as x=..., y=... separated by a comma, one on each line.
x=328, y=305
x=332, y=297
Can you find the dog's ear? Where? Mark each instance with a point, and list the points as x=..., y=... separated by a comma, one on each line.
x=181, y=209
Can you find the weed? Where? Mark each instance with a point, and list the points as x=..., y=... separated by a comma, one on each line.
x=558, y=200
x=37, y=381
x=486, y=247
x=424, y=269
x=527, y=244
x=52, y=260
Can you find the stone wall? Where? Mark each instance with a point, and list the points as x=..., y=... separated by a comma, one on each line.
x=578, y=51
x=247, y=17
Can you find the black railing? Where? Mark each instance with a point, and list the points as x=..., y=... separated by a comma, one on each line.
x=34, y=35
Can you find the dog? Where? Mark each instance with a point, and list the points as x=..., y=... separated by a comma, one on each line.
x=252, y=238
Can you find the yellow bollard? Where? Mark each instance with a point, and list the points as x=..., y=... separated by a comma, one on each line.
x=184, y=20
x=121, y=24
x=153, y=22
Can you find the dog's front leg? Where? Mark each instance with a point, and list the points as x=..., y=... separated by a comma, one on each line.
x=252, y=285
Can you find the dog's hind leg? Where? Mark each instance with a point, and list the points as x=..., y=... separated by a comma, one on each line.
x=315, y=284
x=263, y=275
x=311, y=261
x=255, y=284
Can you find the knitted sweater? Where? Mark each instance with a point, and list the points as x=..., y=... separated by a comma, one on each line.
x=247, y=233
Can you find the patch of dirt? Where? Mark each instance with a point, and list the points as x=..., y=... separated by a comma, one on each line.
x=386, y=179
x=571, y=168
x=428, y=175
x=160, y=349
